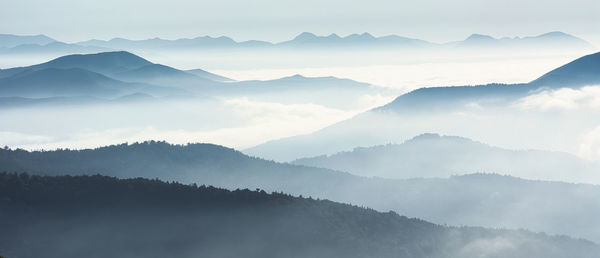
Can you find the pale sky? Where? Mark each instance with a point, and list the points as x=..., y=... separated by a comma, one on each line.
x=277, y=20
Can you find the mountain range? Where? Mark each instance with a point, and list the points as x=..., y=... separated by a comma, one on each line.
x=79, y=75
x=310, y=40
x=551, y=40
x=117, y=74
x=9, y=41
x=479, y=199
x=14, y=44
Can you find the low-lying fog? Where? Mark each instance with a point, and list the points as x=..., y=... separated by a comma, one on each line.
x=237, y=122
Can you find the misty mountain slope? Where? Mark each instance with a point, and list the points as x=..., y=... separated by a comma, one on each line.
x=580, y=72
x=158, y=74
x=69, y=82
x=297, y=89
x=207, y=75
x=301, y=82
x=213, y=164
x=557, y=39
x=481, y=200
x=105, y=217
x=161, y=80
x=105, y=63
x=441, y=99
x=485, y=108
x=9, y=40
x=432, y=155
x=51, y=82
x=121, y=65
x=73, y=101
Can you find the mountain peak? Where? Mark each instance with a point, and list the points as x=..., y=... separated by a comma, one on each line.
x=426, y=136
x=305, y=36
x=555, y=34
x=294, y=77
x=333, y=36
x=479, y=37
x=363, y=36
x=104, y=62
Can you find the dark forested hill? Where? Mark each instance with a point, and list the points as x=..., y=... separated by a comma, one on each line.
x=97, y=216
x=481, y=200
x=213, y=164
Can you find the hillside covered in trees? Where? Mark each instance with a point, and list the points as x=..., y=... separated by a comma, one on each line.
x=479, y=200
x=99, y=216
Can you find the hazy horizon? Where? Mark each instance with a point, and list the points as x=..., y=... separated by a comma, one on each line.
x=280, y=20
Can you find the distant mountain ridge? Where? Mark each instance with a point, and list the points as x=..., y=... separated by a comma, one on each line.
x=552, y=40
x=307, y=39
x=53, y=47
x=9, y=40
x=555, y=39
x=432, y=155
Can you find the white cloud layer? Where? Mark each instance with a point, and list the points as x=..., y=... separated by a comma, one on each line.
x=256, y=122
x=563, y=99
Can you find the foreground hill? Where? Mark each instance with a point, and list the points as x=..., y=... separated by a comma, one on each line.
x=105, y=217
x=432, y=155
x=481, y=199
